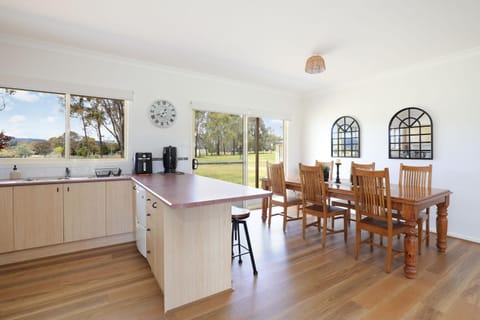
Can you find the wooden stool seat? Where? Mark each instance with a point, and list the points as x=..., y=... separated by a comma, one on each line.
x=240, y=213
x=239, y=216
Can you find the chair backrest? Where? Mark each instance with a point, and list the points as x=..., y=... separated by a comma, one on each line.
x=372, y=194
x=416, y=176
x=276, y=176
x=314, y=190
x=328, y=164
x=363, y=166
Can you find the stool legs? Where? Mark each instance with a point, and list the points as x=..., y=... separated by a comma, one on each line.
x=236, y=236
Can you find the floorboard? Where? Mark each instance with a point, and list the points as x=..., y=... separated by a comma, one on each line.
x=297, y=279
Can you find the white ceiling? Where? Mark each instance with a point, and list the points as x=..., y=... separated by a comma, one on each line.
x=264, y=42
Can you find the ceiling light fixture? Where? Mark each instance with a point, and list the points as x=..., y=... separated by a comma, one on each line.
x=315, y=64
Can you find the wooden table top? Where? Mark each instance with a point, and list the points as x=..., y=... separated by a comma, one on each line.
x=188, y=190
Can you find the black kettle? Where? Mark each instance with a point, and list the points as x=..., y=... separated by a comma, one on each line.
x=170, y=159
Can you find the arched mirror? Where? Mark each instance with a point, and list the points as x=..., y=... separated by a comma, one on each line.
x=411, y=135
x=345, y=138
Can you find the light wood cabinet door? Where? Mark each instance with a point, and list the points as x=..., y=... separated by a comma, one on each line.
x=119, y=207
x=38, y=215
x=84, y=210
x=155, y=249
x=6, y=218
x=151, y=230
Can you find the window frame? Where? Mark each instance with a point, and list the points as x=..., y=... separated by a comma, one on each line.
x=67, y=156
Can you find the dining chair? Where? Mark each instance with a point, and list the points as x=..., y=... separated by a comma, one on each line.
x=348, y=204
x=280, y=195
x=373, y=209
x=421, y=177
x=314, y=202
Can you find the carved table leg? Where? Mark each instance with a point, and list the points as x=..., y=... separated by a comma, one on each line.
x=442, y=225
x=410, y=245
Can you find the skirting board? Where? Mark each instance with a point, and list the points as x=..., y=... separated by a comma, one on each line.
x=42, y=252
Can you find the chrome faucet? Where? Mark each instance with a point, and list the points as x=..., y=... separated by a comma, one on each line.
x=67, y=172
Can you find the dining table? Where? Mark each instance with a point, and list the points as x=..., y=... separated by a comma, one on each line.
x=407, y=200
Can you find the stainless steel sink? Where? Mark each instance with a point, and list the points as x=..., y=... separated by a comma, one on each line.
x=58, y=178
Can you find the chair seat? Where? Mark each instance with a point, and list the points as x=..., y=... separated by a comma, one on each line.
x=331, y=210
x=380, y=226
x=291, y=199
x=343, y=204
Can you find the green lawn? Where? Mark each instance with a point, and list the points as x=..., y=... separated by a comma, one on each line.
x=231, y=171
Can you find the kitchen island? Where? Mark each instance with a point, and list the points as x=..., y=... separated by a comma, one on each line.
x=189, y=248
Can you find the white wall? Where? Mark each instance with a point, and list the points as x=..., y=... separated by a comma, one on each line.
x=38, y=63
x=449, y=91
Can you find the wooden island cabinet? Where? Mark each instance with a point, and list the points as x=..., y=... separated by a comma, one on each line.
x=189, y=234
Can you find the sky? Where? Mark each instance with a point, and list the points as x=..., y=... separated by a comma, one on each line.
x=275, y=125
x=31, y=114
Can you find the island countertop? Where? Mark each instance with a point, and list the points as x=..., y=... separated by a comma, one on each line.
x=188, y=190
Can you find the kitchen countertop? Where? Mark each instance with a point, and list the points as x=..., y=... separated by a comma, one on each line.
x=188, y=190
x=52, y=180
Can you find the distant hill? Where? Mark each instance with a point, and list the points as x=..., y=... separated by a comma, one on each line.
x=27, y=140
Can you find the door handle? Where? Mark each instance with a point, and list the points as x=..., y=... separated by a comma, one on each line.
x=194, y=164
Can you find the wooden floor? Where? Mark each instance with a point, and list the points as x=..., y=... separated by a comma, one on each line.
x=297, y=280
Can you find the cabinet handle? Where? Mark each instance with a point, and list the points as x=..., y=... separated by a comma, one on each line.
x=148, y=199
x=148, y=214
x=58, y=189
x=148, y=229
x=68, y=189
x=148, y=251
x=154, y=205
x=134, y=187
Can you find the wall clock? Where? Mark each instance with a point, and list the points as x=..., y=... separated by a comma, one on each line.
x=162, y=113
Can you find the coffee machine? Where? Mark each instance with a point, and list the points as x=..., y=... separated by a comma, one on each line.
x=143, y=162
x=170, y=159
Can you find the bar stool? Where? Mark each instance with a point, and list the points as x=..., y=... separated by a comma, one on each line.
x=239, y=216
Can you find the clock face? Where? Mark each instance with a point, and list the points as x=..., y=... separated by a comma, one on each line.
x=162, y=113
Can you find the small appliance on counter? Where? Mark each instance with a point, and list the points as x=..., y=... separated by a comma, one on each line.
x=170, y=159
x=143, y=162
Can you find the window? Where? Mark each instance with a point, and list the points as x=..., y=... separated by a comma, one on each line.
x=219, y=146
x=410, y=135
x=42, y=125
x=345, y=138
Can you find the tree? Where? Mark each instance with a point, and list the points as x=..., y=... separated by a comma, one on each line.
x=42, y=147
x=95, y=115
x=200, y=130
x=77, y=110
x=114, y=121
x=4, y=139
x=23, y=151
x=4, y=93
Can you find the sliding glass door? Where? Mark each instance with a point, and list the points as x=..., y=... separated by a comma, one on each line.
x=236, y=148
x=218, y=146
